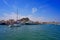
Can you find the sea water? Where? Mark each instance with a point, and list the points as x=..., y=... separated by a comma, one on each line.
x=30, y=32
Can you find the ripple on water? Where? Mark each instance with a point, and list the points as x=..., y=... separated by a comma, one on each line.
x=30, y=32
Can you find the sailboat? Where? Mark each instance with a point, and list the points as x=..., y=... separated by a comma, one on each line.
x=17, y=24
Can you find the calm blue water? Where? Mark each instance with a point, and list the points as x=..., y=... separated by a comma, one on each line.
x=30, y=32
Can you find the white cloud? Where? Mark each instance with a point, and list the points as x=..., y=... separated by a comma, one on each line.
x=40, y=19
x=7, y=16
x=13, y=15
x=34, y=10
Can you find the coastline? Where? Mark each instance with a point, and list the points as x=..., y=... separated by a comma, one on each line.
x=25, y=21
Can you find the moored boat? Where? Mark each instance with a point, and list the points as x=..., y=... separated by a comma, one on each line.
x=17, y=24
x=14, y=25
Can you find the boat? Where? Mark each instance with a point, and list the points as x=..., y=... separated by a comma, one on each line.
x=30, y=23
x=17, y=24
x=14, y=25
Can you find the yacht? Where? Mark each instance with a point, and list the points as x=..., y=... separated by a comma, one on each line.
x=17, y=24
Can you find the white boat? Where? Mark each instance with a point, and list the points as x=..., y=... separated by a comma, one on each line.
x=15, y=25
x=18, y=24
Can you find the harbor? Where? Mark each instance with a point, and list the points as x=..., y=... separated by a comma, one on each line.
x=29, y=19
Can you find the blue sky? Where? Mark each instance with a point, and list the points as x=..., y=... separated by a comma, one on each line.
x=37, y=10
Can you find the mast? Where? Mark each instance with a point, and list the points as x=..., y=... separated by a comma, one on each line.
x=17, y=14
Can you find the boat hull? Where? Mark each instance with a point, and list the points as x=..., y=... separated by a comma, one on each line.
x=15, y=25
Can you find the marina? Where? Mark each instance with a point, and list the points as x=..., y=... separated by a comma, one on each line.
x=29, y=19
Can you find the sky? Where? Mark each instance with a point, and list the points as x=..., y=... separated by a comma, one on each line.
x=36, y=10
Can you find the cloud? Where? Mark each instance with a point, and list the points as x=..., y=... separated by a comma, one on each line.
x=13, y=15
x=40, y=19
x=7, y=16
x=34, y=10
